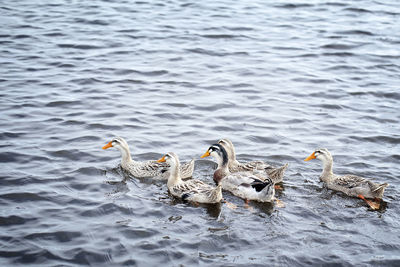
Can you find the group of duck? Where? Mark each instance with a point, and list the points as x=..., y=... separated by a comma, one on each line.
x=255, y=180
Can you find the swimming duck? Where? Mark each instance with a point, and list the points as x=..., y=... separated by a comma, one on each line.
x=149, y=168
x=351, y=185
x=191, y=190
x=245, y=185
x=276, y=174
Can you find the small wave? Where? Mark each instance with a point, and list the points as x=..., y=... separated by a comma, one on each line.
x=59, y=236
x=220, y=36
x=342, y=67
x=378, y=139
x=23, y=197
x=54, y=34
x=357, y=10
x=71, y=154
x=238, y=28
x=23, y=36
x=177, y=105
x=105, y=209
x=63, y=103
x=339, y=46
x=390, y=95
x=92, y=22
x=330, y=106
x=263, y=139
x=138, y=233
x=293, y=6
x=14, y=220
x=214, y=53
x=92, y=171
x=339, y=54
x=355, y=32
x=82, y=256
x=80, y=46
x=336, y=4
x=287, y=48
x=214, y=107
x=313, y=80
x=12, y=157
x=10, y=135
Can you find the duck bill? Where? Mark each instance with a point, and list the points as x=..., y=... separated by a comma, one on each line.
x=207, y=154
x=162, y=159
x=108, y=145
x=312, y=156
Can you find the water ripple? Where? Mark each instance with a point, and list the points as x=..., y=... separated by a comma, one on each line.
x=279, y=80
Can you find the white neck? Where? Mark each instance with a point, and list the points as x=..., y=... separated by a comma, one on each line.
x=223, y=168
x=327, y=172
x=233, y=163
x=126, y=155
x=174, y=175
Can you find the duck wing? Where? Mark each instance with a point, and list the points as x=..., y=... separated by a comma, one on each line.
x=252, y=165
x=350, y=181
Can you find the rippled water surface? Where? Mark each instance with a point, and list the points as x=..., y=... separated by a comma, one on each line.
x=279, y=78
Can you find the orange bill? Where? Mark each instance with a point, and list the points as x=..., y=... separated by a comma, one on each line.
x=108, y=145
x=312, y=156
x=207, y=154
x=162, y=159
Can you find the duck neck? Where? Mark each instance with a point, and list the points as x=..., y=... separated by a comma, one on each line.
x=233, y=163
x=222, y=159
x=327, y=172
x=126, y=156
x=174, y=175
x=221, y=173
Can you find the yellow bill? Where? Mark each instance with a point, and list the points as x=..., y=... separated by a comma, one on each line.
x=207, y=154
x=108, y=145
x=312, y=156
x=162, y=159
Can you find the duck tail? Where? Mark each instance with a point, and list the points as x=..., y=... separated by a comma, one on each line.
x=218, y=188
x=378, y=189
x=276, y=174
x=268, y=192
x=217, y=193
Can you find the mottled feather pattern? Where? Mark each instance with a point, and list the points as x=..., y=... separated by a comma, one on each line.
x=353, y=185
x=197, y=191
x=350, y=181
x=157, y=170
x=276, y=174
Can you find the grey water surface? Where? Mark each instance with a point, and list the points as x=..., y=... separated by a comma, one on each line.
x=279, y=78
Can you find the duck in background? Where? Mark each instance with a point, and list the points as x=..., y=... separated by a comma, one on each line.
x=349, y=184
x=146, y=169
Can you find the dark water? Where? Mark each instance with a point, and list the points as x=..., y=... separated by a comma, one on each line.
x=279, y=78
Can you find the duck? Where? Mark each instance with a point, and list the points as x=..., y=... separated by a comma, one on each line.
x=192, y=190
x=276, y=174
x=146, y=169
x=351, y=185
x=246, y=185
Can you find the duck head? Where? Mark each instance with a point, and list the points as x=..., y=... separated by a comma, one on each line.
x=219, y=153
x=117, y=142
x=322, y=154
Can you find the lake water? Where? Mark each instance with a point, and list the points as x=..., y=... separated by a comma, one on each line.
x=279, y=78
